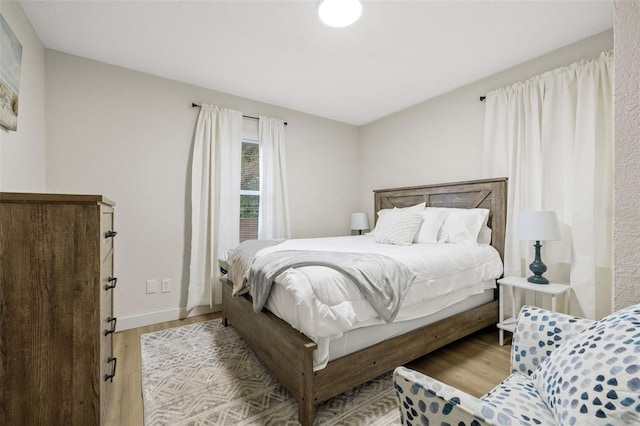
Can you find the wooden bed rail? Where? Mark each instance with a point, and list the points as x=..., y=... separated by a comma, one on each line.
x=289, y=354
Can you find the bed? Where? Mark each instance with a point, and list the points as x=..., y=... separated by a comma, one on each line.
x=289, y=354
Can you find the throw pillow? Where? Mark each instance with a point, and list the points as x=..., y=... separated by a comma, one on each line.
x=432, y=220
x=594, y=377
x=399, y=227
x=383, y=213
x=463, y=225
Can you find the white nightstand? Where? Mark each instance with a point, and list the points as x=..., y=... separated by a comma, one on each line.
x=519, y=283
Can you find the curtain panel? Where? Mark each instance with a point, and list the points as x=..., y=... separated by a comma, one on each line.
x=552, y=136
x=215, y=200
x=273, y=219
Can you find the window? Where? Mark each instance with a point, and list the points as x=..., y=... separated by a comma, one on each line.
x=249, y=189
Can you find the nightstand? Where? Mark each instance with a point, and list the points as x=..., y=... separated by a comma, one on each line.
x=515, y=285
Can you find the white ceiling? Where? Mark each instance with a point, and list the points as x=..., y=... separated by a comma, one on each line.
x=398, y=54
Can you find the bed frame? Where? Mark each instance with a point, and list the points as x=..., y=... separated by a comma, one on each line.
x=289, y=353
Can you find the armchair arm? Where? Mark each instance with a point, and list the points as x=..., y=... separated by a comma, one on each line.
x=538, y=332
x=424, y=400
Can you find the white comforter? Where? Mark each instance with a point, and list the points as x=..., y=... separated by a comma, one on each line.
x=326, y=304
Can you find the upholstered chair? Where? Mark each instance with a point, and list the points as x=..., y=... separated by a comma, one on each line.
x=565, y=370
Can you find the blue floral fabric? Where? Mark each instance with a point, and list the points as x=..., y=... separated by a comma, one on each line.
x=565, y=370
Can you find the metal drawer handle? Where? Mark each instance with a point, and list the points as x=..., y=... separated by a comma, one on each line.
x=113, y=372
x=110, y=286
x=110, y=234
x=114, y=321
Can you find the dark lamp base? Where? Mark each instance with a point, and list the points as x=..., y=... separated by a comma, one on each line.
x=538, y=268
x=538, y=279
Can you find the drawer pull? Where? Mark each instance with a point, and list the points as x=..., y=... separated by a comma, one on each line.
x=110, y=286
x=110, y=377
x=114, y=321
x=110, y=234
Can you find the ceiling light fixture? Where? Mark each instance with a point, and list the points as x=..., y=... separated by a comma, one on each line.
x=339, y=13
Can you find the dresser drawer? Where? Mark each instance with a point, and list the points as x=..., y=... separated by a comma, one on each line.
x=106, y=230
x=108, y=365
x=108, y=370
x=108, y=284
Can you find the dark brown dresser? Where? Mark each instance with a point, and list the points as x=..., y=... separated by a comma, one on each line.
x=56, y=308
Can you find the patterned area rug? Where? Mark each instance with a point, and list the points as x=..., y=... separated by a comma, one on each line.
x=204, y=374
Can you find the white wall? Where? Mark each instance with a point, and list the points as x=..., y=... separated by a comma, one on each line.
x=22, y=153
x=128, y=136
x=440, y=140
x=627, y=154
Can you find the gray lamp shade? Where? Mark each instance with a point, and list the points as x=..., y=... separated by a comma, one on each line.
x=359, y=221
x=538, y=226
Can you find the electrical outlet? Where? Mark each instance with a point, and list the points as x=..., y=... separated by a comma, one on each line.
x=152, y=286
x=165, y=286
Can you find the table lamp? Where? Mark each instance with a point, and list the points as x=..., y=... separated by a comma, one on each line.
x=359, y=221
x=538, y=226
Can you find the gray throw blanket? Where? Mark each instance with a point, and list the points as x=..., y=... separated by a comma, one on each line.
x=241, y=259
x=382, y=280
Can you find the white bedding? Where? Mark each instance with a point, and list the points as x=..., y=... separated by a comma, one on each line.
x=360, y=338
x=332, y=305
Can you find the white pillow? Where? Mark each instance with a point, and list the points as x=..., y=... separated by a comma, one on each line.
x=432, y=220
x=382, y=213
x=399, y=227
x=484, y=237
x=462, y=225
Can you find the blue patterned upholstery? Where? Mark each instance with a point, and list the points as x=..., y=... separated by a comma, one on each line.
x=538, y=333
x=594, y=377
x=565, y=370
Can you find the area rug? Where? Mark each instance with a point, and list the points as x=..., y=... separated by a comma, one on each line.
x=204, y=374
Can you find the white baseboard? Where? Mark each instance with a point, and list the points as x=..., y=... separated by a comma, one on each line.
x=151, y=318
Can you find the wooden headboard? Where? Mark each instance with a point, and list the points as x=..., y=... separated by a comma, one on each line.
x=487, y=193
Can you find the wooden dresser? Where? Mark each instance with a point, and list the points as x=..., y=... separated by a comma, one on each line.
x=56, y=308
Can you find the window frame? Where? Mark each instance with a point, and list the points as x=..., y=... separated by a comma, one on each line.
x=257, y=193
x=248, y=191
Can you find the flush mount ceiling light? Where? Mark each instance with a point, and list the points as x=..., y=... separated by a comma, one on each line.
x=339, y=13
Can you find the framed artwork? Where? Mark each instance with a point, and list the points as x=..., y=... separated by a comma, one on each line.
x=10, y=61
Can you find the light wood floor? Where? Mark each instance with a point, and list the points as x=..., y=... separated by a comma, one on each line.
x=475, y=365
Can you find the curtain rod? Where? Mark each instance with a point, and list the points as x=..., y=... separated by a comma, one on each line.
x=195, y=105
x=482, y=98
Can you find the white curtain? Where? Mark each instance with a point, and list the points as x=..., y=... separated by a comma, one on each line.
x=215, y=199
x=552, y=136
x=274, y=203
